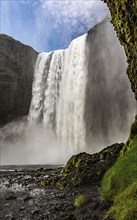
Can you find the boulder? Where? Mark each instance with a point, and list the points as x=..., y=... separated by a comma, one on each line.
x=88, y=169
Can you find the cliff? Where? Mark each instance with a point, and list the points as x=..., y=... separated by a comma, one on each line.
x=124, y=19
x=16, y=73
x=119, y=184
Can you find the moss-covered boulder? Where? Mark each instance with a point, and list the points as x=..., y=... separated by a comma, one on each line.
x=16, y=75
x=86, y=169
x=124, y=19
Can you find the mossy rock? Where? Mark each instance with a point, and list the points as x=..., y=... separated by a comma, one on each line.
x=86, y=169
x=124, y=19
x=133, y=131
x=133, y=134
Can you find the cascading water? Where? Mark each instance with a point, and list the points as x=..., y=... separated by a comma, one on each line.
x=81, y=101
x=77, y=92
x=58, y=93
x=110, y=105
x=40, y=81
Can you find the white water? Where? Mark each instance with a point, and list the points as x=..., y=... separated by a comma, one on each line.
x=58, y=93
x=81, y=101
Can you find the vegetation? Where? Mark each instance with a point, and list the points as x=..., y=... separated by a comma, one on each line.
x=85, y=169
x=79, y=200
x=44, y=182
x=120, y=182
x=124, y=19
x=6, y=36
x=125, y=205
x=59, y=185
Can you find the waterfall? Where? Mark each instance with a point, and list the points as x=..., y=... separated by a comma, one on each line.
x=81, y=101
x=83, y=94
x=39, y=86
x=58, y=93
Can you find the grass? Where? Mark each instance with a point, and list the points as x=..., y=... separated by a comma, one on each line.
x=122, y=174
x=79, y=200
x=120, y=184
x=125, y=204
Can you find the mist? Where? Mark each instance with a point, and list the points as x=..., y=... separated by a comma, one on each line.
x=110, y=104
x=91, y=106
x=22, y=143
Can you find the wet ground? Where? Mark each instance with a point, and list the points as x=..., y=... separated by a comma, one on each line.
x=25, y=196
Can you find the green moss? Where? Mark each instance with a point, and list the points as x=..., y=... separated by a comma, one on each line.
x=68, y=166
x=77, y=163
x=125, y=204
x=124, y=19
x=85, y=169
x=59, y=185
x=120, y=182
x=44, y=182
x=79, y=200
x=133, y=134
x=122, y=174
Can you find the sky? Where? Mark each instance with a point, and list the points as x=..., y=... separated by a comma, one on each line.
x=48, y=25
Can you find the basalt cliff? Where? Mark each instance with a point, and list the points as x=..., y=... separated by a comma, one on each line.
x=16, y=74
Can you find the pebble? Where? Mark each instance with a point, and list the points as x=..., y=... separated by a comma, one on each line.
x=22, y=208
x=27, y=197
x=35, y=211
x=6, y=204
x=9, y=217
x=10, y=197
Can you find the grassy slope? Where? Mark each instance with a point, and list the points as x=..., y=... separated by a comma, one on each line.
x=120, y=182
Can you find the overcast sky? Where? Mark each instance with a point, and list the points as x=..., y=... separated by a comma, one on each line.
x=48, y=25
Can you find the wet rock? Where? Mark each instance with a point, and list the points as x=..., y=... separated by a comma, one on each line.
x=22, y=208
x=35, y=211
x=27, y=198
x=86, y=169
x=71, y=217
x=7, y=204
x=61, y=195
x=9, y=217
x=10, y=196
x=49, y=203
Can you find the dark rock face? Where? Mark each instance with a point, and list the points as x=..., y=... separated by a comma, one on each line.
x=16, y=75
